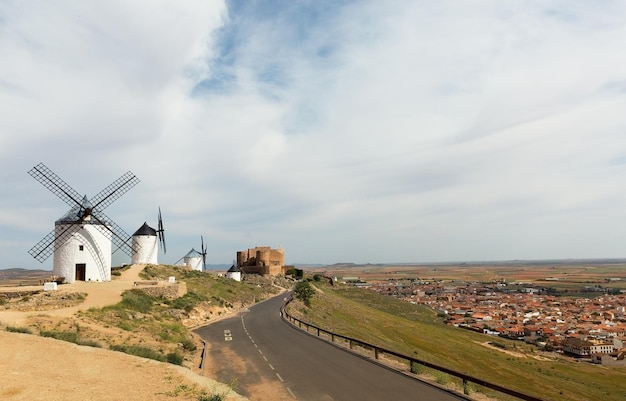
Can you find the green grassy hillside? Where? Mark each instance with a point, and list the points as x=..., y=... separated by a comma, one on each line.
x=417, y=331
x=165, y=324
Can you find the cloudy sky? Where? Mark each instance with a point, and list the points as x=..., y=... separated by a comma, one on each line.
x=342, y=131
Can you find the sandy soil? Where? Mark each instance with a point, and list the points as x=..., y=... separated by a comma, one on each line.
x=37, y=368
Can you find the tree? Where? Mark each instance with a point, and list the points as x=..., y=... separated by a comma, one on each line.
x=304, y=292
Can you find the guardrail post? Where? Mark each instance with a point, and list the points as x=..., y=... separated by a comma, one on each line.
x=465, y=389
x=351, y=347
x=332, y=337
x=375, y=352
x=318, y=331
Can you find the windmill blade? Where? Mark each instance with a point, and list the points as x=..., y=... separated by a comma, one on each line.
x=55, y=184
x=119, y=237
x=110, y=194
x=44, y=248
x=203, y=253
x=161, y=232
x=162, y=241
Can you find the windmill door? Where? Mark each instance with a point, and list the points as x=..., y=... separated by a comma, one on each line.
x=80, y=271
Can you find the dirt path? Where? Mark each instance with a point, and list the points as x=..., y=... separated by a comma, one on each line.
x=98, y=295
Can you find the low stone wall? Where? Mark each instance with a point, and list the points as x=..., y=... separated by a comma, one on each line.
x=17, y=294
x=165, y=290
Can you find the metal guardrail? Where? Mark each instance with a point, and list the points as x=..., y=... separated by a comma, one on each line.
x=412, y=362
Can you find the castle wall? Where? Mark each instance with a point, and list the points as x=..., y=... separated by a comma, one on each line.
x=261, y=260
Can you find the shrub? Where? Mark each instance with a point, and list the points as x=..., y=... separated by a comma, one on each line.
x=125, y=326
x=304, y=292
x=140, y=351
x=174, y=358
x=442, y=378
x=188, y=301
x=70, y=337
x=188, y=345
x=89, y=343
x=211, y=397
x=137, y=300
x=417, y=368
x=24, y=330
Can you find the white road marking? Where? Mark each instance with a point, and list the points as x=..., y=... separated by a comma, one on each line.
x=261, y=352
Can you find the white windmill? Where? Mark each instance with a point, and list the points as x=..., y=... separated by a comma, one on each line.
x=145, y=243
x=81, y=239
x=193, y=259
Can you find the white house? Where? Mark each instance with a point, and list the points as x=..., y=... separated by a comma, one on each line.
x=234, y=273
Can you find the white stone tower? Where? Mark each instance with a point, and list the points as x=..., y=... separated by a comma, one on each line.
x=84, y=254
x=193, y=260
x=145, y=242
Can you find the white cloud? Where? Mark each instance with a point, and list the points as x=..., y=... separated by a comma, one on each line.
x=364, y=131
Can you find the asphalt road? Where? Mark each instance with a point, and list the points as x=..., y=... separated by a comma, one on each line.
x=269, y=349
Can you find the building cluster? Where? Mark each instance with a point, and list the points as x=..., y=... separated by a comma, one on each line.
x=593, y=328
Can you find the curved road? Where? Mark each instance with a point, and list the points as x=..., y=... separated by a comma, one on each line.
x=257, y=347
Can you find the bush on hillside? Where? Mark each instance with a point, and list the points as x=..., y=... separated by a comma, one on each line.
x=304, y=292
x=137, y=350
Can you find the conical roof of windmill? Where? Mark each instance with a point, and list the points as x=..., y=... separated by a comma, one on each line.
x=192, y=254
x=76, y=215
x=145, y=229
x=234, y=269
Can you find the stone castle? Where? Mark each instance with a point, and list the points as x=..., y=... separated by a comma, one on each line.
x=262, y=260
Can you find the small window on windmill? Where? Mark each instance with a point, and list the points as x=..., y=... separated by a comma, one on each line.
x=81, y=247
